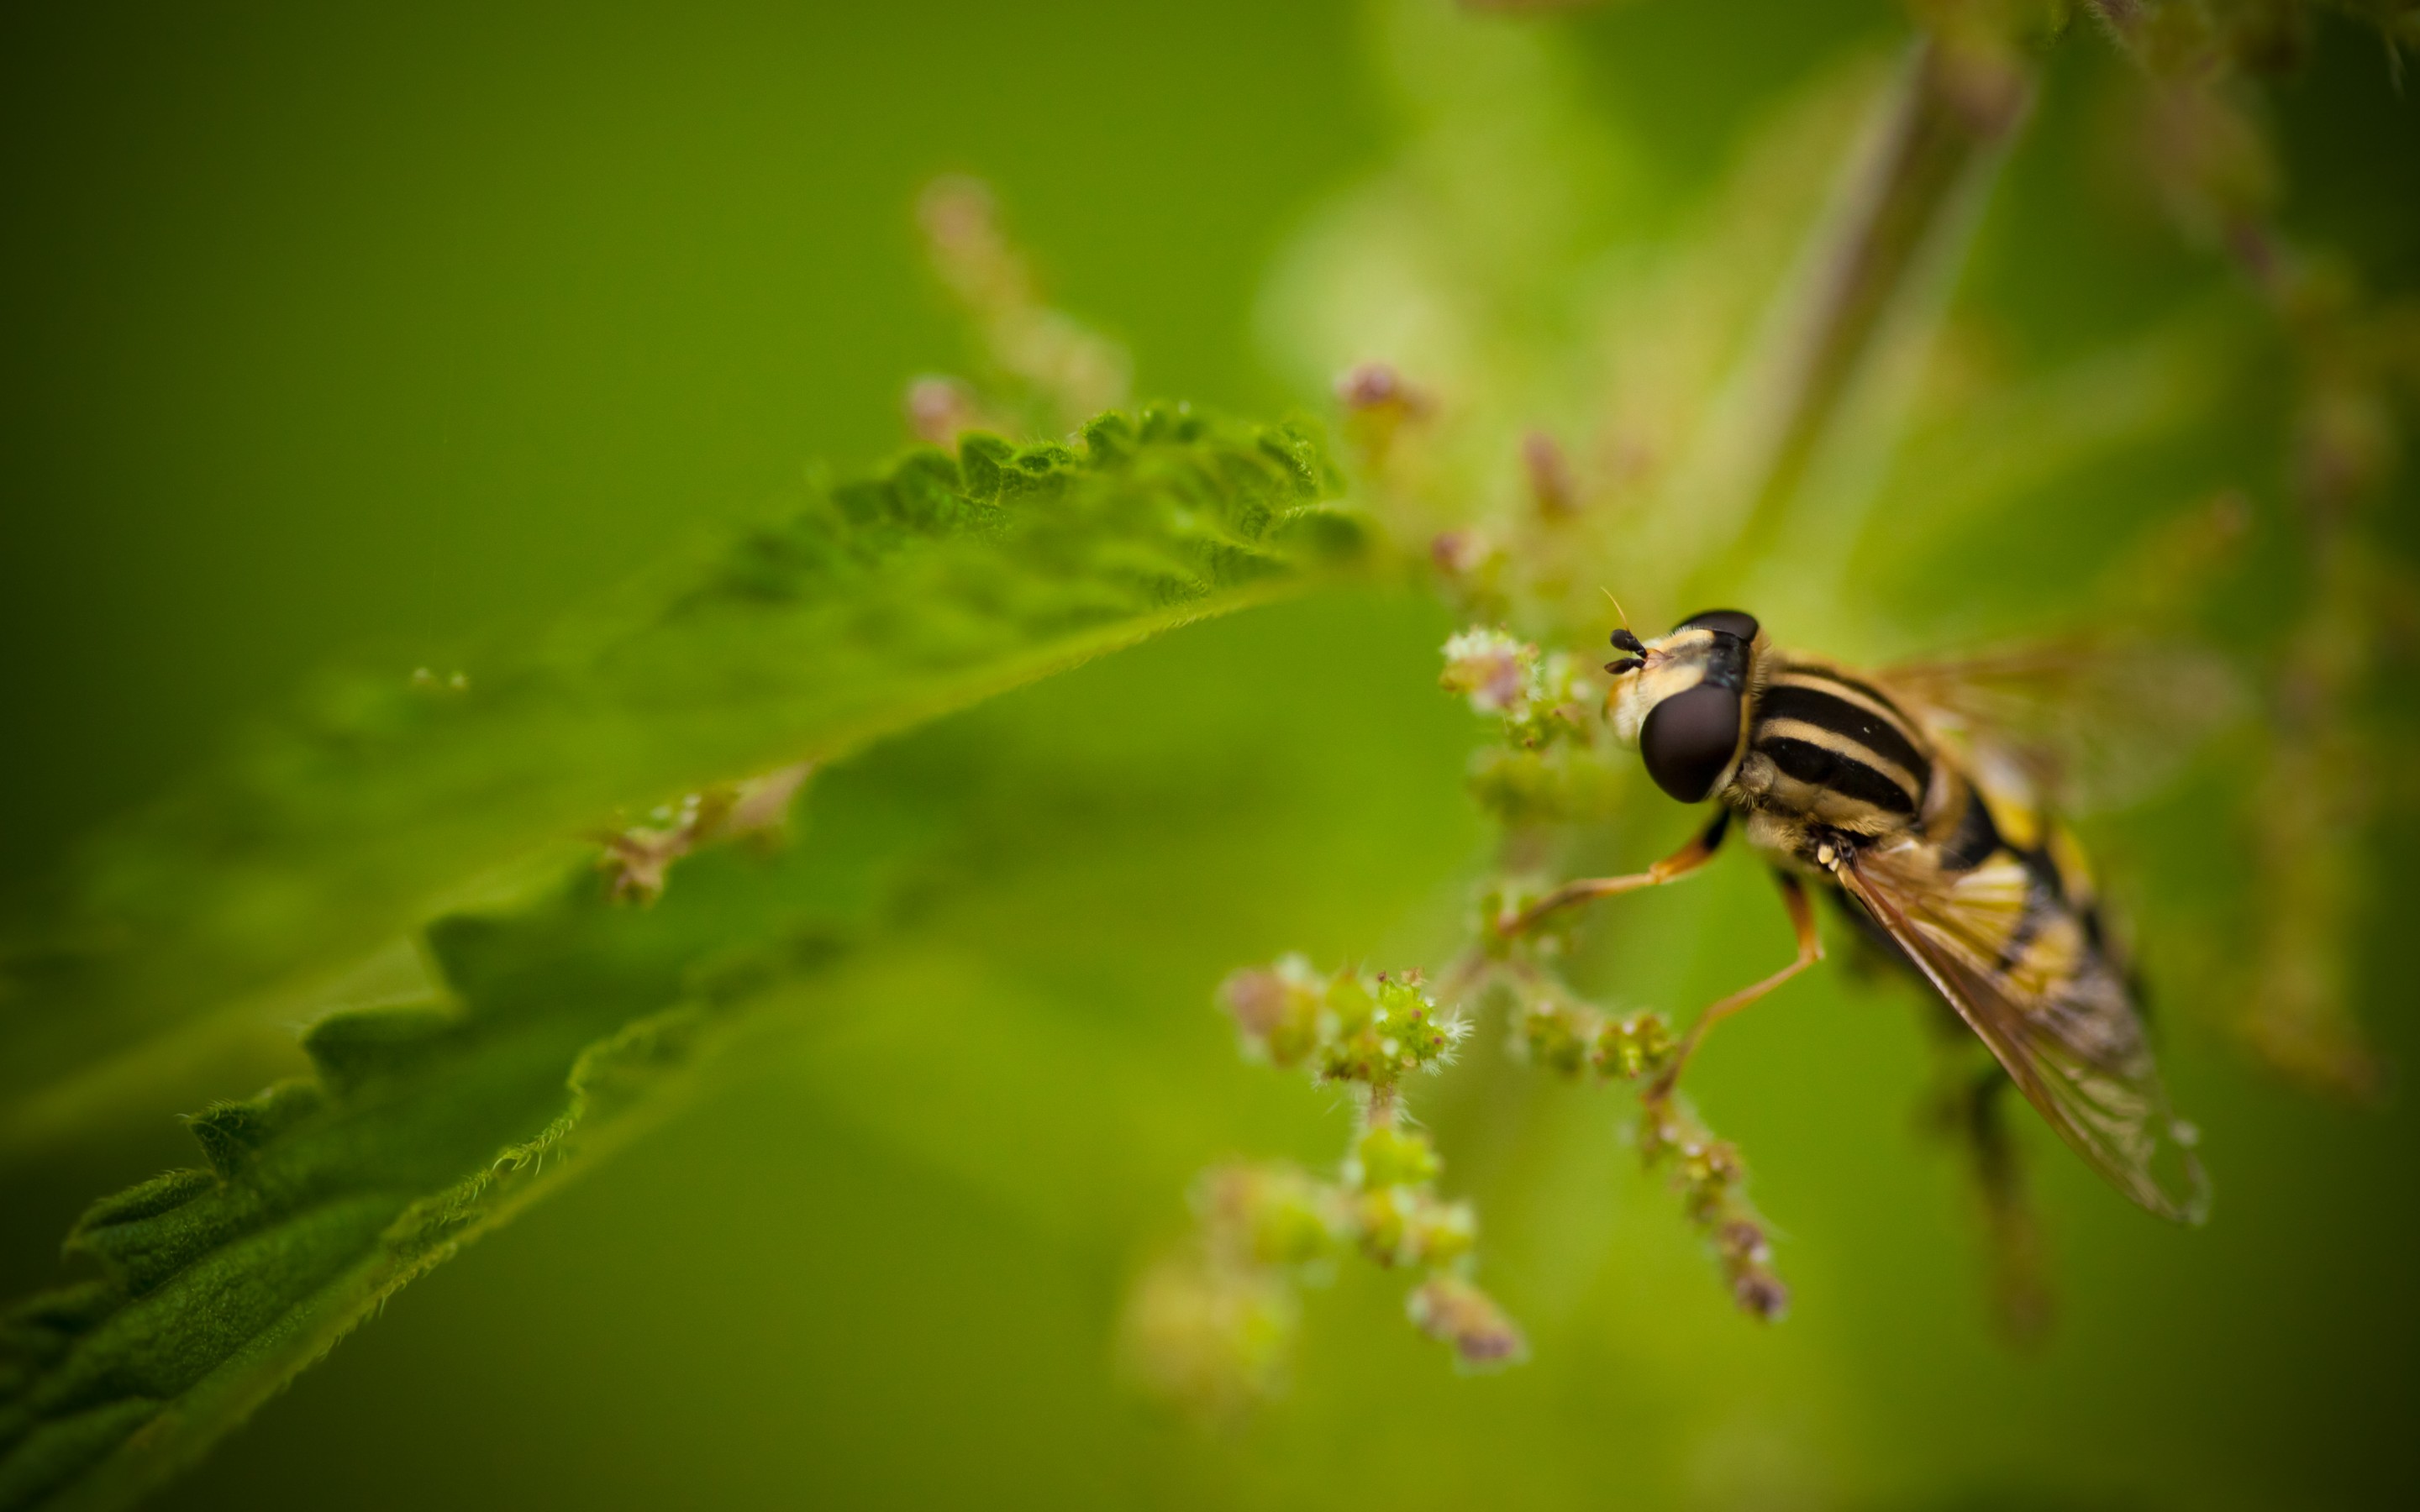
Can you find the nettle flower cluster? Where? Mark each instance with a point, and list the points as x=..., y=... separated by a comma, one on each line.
x=1560, y=1034
x=1367, y=1032
x=1541, y=697
x=1551, y=736
x=1212, y=1327
x=1555, y=761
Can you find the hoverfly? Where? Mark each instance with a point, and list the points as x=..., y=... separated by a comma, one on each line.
x=1883, y=790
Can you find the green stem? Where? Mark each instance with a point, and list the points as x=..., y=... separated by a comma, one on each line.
x=1939, y=139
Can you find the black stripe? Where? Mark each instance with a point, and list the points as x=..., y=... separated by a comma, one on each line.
x=2047, y=895
x=2044, y=872
x=1825, y=711
x=2028, y=924
x=1975, y=838
x=1845, y=775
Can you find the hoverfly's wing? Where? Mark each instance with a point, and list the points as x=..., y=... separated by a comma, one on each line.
x=2078, y=724
x=2021, y=968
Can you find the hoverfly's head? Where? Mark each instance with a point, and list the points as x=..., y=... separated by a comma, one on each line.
x=1683, y=699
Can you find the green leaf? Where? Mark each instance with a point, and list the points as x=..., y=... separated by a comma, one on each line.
x=569, y=1022
x=566, y=1025
x=564, y=1021
x=873, y=605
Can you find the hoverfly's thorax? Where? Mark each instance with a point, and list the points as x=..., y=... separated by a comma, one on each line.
x=1829, y=748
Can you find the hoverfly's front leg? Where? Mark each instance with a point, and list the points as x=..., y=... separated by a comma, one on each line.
x=1811, y=949
x=1671, y=869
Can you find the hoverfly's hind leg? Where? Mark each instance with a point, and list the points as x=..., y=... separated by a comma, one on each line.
x=2017, y=1272
x=1671, y=869
x=1811, y=949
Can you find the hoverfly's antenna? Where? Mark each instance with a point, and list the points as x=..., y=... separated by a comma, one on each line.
x=1624, y=639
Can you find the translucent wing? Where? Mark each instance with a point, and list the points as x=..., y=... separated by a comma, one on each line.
x=2025, y=972
x=2078, y=724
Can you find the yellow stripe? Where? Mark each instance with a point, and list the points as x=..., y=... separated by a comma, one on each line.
x=1839, y=744
x=1985, y=906
x=1817, y=681
x=2019, y=823
x=2050, y=958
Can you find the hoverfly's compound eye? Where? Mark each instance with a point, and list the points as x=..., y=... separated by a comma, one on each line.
x=1722, y=622
x=1689, y=738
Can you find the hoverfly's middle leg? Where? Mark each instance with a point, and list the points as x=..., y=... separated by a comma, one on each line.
x=1671, y=869
x=1811, y=949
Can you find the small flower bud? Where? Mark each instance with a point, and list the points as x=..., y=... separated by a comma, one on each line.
x=1384, y=1216
x=1551, y=488
x=1760, y=1294
x=1392, y=1155
x=1373, y=1031
x=1406, y=1227
x=1490, y=666
x=1635, y=1046
x=1744, y=1241
x=1379, y=407
x=1271, y=1215
x=1439, y=1233
x=1372, y=388
x=1450, y=1308
x=1544, y=700
x=940, y=410
x=1459, y=553
x=1557, y=1035
x=1276, y=1009
x=1208, y=1338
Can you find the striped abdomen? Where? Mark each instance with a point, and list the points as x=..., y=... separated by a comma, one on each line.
x=1826, y=748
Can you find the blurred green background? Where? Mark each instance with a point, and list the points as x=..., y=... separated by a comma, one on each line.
x=382, y=335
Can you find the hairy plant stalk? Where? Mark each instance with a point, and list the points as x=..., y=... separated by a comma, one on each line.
x=1946, y=135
